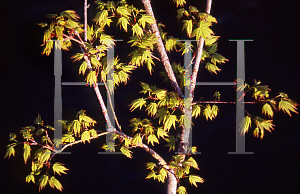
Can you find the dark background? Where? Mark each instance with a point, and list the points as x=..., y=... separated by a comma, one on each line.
x=27, y=87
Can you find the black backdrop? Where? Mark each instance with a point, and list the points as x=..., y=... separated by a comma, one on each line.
x=27, y=88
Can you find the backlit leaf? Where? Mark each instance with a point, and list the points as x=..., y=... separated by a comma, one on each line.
x=152, y=138
x=185, y=121
x=217, y=58
x=188, y=25
x=9, y=151
x=124, y=22
x=54, y=183
x=137, y=140
x=245, y=124
x=194, y=179
x=140, y=102
x=212, y=68
x=29, y=178
x=68, y=138
x=26, y=152
x=82, y=68
x=59, y=168
x=122, y=10
x=152, y=109
x=179, y=2
x=145, y=19
x=196, y=110
x=203, y=31
x=192, y=163
x=163, y=174
x=181, y=190
x=267, y=109
x=287, y=106
x=136, y=29
x=151, y=175
x=150, y=165
x=85, y=136
x=43, y=182
x=126, y=152
x=45, y=155
x=161, y=133
x=91, y=78
x=170, y=120
x=93, y=133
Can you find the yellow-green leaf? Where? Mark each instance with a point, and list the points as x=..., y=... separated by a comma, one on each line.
x=124, y=22
x=26, y=152
x=152, y=109
x=196, y=110
x=137, y=140
x=91, y=78
x=126, y=152
x=245, y=125
x=152, y=138
x=45, y=155
x=82, y=68
x=163, y=174
x=212, y=68
x=43, y=182
x=54, y=183
x=85, y=136
x=122, y=10
x=9, y=151
x=181, y=190
x=68, y=138
x=136, y=29
x=140, y=102
x=194, y=179
x=203, y=31
x=170, y=120
x=93, y=133
x=188, y=25
x=150, y=165
x=287, y=106
x=59, y=168
x=29, y=178
x=267, y=109
x=217, y=58
x=161, y=133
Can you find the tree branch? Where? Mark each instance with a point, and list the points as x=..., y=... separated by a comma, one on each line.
x=162, y=51
x=199, y=54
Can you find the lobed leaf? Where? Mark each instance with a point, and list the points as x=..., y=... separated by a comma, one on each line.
x=188, y=25
x=212, y=68
x=136, y=29
x=181, y=190
x=126, y=152
x=152, y=109
x=137, y=140
x=59, y=168
x=85, y=136
x=267, y=109
x=150, y=165
x=194, y=179
x=43, y=182
x=170, y=121
x=161, y=133
x=152, y=138
x=286, y=106
x=140, y=102
x=29, y=178
x=54, y=183
x=26, y=152
x=10, y=151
